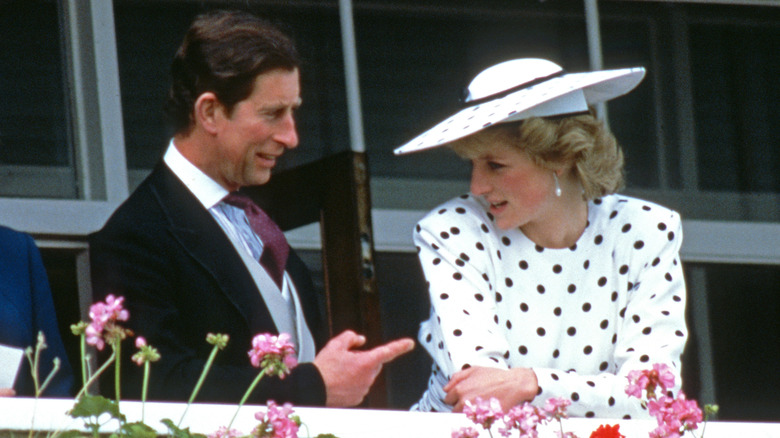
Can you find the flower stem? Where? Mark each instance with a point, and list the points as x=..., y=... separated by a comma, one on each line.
x=83, y=359
x=117, y=346
x=246, y=395
x=203, y=374
x=96, y=375
x=143, y=391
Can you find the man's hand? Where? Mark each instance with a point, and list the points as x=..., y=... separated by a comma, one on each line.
x=511, y=387
x=349, y=373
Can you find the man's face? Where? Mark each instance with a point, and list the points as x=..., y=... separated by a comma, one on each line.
x=260, y=129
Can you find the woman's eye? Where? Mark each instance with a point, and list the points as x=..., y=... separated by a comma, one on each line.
x=494, y=166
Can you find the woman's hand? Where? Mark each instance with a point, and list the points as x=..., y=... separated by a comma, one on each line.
x=511, y=387
x=7, y=392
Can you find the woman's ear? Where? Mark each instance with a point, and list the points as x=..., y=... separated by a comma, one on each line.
x=207, y=107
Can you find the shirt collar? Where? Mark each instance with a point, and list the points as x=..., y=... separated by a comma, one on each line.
x=206, y=190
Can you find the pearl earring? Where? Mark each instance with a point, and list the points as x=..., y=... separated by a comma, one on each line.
x=557, y=185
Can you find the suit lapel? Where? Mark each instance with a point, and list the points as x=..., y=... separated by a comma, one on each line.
x=205, y=241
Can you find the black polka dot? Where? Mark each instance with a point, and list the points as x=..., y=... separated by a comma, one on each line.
x=668, y=276
x=636, y=318
x=572, y=288
x=522, y=350
x=436, y=261
x=588, y=349
x=611, y=401
x=679, y=333
x=598, y=239
x=508, y=282
x=586, y=307
x=480, y=246
x=457, y=332
x=586, y=265
x=656, y=261
x=442, y=211
x=614, y=296
x=540, y=331
x=444, y=235
x=524, y=307
x=540, y=289
x=661, y=226
x=590, y=383
x=465, y=366
x=604, y=324
x=505, y=240
x=639, y=244
x=571, y=331
x=499, y=297
x=464, y=256
x=457, y=276
x=485, y=228
x=444, y=296
x=603, y=366
x=428, y=337
x=623, y=270
x=554, y=376
x=460, y=210
x=590, y=414
x=455, y=230
x=460, y=263
x=613, y=214
x=670, y=236
x=539, y=248
x=523, y=264
x=646, y=330
x=626, y=228
x=479, y=297
x=556, y=353
x=509, y=324
x=575, y=396
x=644, y=358
x=602, y=281
x=557, y=269
x=557, y=311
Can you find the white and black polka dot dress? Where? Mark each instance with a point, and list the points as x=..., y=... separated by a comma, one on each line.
x=581, y=317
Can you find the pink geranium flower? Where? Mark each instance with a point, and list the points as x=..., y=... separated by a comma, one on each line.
x=483, y=412
x=674, y=415
x=277, y=422
x=556, y=407
x=104, y=317
x=224, y=432
x=525, y=418
x=661, y=376
x=276, y=354
x=465, y=432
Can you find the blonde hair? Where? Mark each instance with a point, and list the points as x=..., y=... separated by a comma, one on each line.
x=582, y=140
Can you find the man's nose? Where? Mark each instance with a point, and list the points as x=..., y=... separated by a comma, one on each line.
x=287, y=133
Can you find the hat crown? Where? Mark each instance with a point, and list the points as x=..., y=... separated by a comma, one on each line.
x=509, y=74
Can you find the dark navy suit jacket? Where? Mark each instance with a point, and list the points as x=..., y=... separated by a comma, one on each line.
x=182, y=279
x=26, y=307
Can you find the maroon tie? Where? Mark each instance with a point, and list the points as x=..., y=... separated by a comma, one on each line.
x=275, y=246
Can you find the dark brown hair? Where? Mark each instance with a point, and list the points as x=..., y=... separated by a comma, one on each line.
x=223, y=52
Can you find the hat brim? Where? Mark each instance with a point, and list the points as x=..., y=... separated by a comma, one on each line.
x=596, y=87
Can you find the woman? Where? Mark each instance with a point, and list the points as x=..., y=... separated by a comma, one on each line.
x=544, y=282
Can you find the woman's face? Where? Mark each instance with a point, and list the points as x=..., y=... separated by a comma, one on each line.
x=517, y=189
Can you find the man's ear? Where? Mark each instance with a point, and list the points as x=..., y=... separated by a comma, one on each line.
x=207, y=109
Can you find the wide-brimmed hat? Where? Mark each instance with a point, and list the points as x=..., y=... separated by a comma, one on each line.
x=523, y=88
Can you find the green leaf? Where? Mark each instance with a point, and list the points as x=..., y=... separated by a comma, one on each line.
x=176, y=432
x=95, y=406
x=139, y=430
x=326, y=435
x=72, y=434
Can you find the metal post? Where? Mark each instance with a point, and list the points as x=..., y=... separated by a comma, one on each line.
x=351, y=77
x=594, y=46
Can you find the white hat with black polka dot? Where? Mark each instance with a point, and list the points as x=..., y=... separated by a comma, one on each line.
x=522, y=88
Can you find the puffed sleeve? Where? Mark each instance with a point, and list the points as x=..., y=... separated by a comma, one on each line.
x=456, y=254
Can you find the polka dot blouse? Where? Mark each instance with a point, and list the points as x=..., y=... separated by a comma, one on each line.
x=580, y=317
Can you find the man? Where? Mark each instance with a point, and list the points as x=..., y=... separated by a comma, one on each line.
x=185, y=255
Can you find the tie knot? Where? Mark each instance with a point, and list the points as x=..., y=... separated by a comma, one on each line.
x=275, y=246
